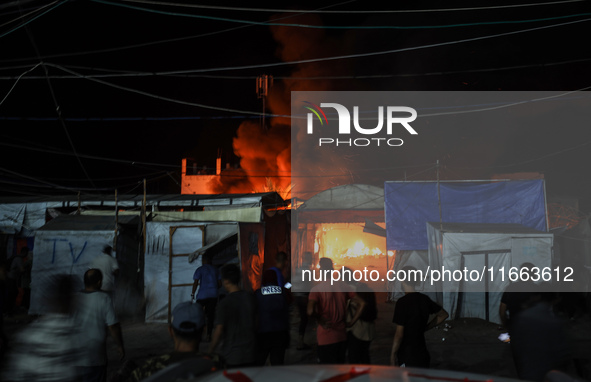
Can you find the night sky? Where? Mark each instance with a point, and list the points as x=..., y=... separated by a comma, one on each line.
x=140, y=85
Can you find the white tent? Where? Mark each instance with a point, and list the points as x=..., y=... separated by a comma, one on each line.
x=487, y=252
x=66, y=245
x=168, y=276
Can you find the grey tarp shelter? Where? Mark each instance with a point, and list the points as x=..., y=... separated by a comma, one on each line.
x=67, y=245
x=481, y=247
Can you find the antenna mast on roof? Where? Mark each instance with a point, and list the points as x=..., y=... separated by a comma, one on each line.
x=263, y=83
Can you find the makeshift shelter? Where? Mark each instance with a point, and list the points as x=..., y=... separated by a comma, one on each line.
x=175, y=248
x=483, y=254
x=342, y=223
x=68, y=244
x=410, y=205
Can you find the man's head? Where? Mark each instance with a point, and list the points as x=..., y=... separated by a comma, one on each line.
x=412, y=278
x=93, y=279
x=270, y=277
x=230, y=274
x=281, y=260
x=186, y=326
x=107, y=250
x=325, y=264
x=527, y=268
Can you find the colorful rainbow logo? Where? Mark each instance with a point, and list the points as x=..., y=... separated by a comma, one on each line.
x=315, y=110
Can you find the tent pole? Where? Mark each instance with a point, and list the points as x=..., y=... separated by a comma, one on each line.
x=439, y=198
x=546, y=206
x=116, y=220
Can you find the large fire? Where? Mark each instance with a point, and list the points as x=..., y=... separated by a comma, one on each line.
x=347, y=245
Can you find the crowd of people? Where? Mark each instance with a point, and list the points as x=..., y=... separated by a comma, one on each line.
x=243, y=329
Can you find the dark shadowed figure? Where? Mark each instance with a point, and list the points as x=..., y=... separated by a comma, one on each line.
x=235, y=321
x=273, y=317
x=411, y=316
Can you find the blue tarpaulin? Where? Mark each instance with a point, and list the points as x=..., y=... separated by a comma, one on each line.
x=410, y=205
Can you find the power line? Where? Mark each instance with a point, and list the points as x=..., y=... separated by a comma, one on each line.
x=32, y=19
x=68, y=153
x=27, y=14
x=124, y=74
x=368, y=54
x=352, y=11
x=150, y=43
x=396, y=27
x=16, y=82
x=168, y=99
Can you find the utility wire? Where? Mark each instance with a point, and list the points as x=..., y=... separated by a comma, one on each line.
x=16, y=82
x=131, y=74
x=368, y=54
x=27, y=14
x=150, y=43
x=351, y=11
x=354, y=27
x=55, y=101
x=32, y=19
x=94, y=157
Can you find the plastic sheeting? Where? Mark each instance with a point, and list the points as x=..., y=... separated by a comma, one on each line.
x=22, y=218
x=410, y=205
x=188, y=237
x=481, y=247
x=63, y=252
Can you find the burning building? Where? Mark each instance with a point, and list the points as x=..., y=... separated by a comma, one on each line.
x=345, y=224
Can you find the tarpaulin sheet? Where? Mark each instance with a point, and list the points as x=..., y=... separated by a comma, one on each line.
x=157, y=265
x=63, y=252
x=487, y=249
x=410, y=205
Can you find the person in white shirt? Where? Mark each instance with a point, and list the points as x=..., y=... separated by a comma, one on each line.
x=109, y=267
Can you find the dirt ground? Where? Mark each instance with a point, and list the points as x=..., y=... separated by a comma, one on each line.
x=469, y=345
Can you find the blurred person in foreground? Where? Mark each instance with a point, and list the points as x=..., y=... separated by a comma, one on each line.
x=46, y=350
x=16, y=268
x=411, y=316
x=273, y=317
x=95, y=317
x=235, y=321
x=328, y=304
x=185, y=329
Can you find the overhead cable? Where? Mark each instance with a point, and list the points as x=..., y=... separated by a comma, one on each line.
x=32, y=19
x=125, y=74
x=214, y=7
x=266, y=23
